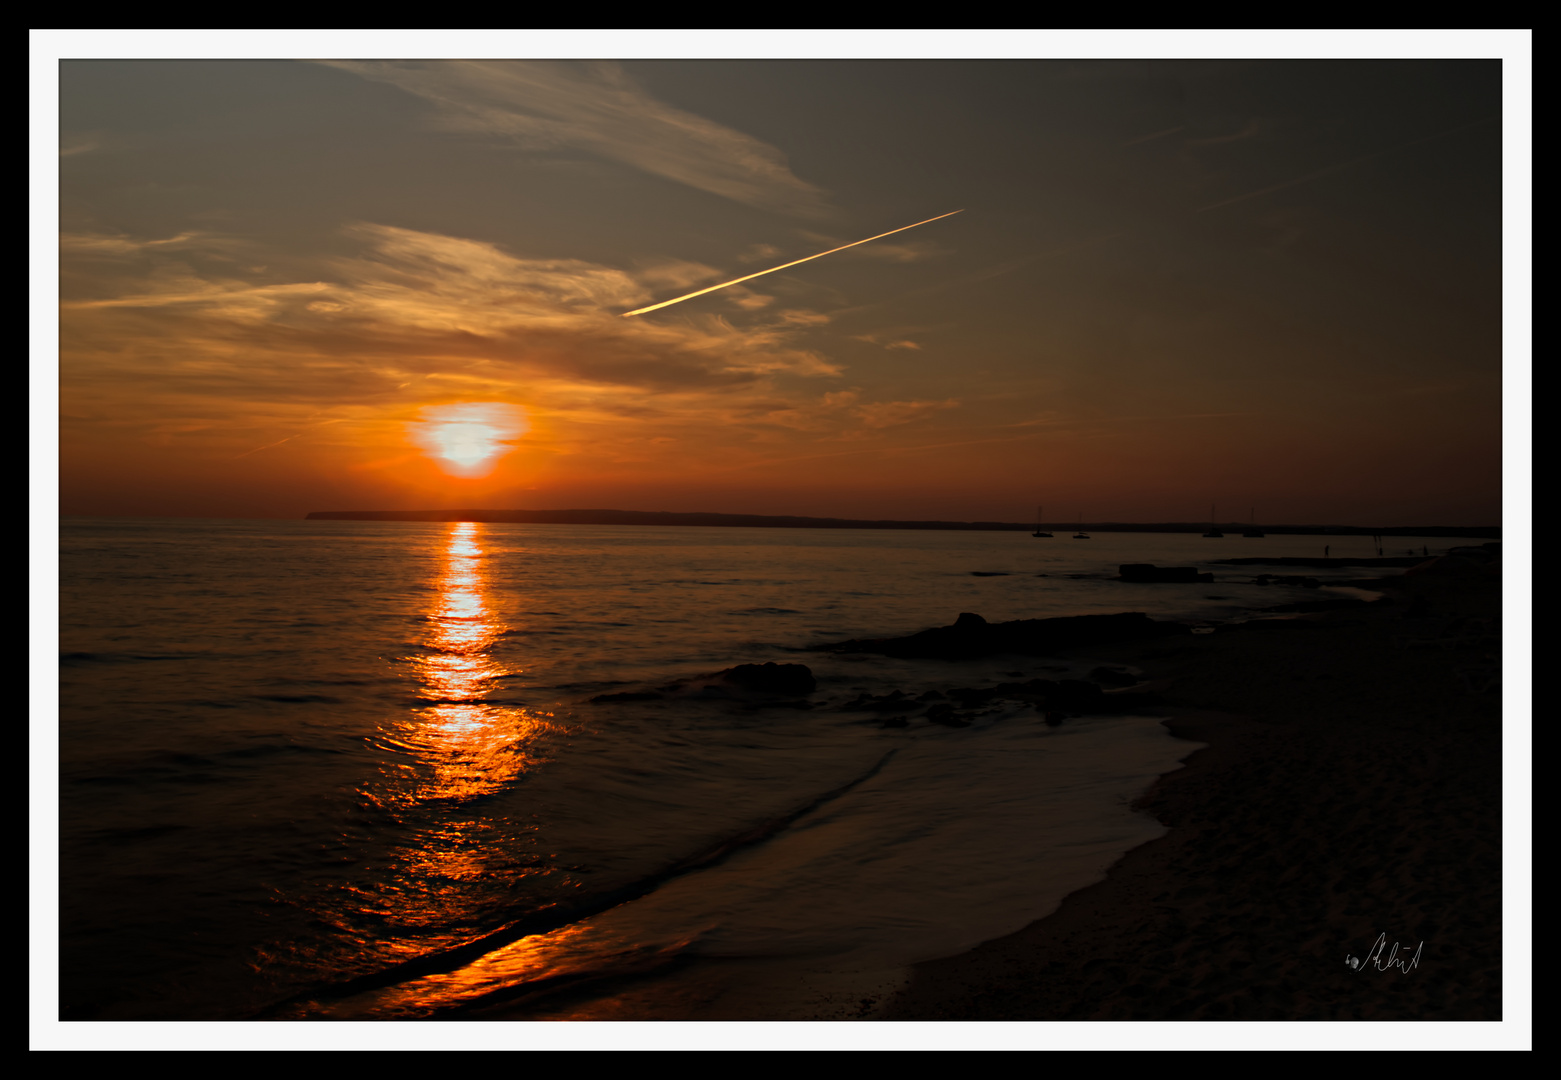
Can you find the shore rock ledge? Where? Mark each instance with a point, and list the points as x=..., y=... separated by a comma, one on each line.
x=971, y=636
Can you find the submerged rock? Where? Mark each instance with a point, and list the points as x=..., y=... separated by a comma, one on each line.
x=972, y=636
x=894, y=701
x=1319, y=605
x=1148, y=572
x=1076, y=695
x=771, y=678
x=733, y=684
x=1287, y=579
x=1055, y=699
x=1073, y=696
x=1448, y=566
x=944, y=714
x=1108, y=676
x=1482, y=553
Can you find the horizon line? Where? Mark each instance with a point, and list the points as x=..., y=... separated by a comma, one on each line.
x=777, y=520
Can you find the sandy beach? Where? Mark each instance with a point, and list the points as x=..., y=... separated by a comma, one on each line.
x=1348, y=801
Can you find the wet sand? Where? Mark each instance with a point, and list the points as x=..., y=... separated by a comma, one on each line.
x=1351, y=788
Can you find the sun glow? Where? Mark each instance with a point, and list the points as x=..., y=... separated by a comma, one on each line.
x=468, y=438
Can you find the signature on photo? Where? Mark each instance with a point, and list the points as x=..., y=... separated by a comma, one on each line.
x=1384, y=958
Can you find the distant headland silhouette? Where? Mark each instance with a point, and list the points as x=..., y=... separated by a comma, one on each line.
x=773, y=521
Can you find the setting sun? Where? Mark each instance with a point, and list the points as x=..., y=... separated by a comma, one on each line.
x=469, y=438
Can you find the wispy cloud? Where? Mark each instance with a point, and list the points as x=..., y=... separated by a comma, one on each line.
x=120, y=244
x=907, y=252
x=598, y=108
x=882, y=448
x=1150, y=138
x=225, y=298
x=1251, y=131
x=79, y=146
x=844, y=415
x=888, y=341
x=412, y=319
x=884, y=414
x=760, y=253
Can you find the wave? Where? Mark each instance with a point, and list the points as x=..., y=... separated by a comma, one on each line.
x=564, y=913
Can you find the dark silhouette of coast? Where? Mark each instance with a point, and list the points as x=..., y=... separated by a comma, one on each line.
x=773, y=521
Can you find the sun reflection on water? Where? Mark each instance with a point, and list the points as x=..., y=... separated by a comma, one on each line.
x=453, y=859
x=469, y=745
x=531, y=967
x=452, y=875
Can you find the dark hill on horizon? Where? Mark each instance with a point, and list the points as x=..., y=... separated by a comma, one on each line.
x=768, y=521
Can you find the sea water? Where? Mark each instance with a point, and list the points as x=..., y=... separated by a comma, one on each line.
x=298, y=756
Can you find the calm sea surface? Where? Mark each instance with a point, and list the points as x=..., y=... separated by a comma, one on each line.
x=297, y=754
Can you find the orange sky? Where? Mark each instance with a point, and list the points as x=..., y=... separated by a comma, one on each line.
x=1174, y=284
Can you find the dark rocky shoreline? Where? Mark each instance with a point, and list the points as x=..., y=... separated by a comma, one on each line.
x=1349, y=794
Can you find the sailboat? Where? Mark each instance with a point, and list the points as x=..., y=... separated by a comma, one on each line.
x=1038, y=530
x=1213, y=530
x=1252, y=529
x=1081, y=534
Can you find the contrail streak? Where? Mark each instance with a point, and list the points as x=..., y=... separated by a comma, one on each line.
x=782, y=266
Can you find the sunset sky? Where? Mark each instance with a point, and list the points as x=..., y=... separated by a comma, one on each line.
x=295, y=285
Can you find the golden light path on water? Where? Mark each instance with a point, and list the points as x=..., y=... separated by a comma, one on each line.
x=471, y=745
x=464, y=748
x=453, y=749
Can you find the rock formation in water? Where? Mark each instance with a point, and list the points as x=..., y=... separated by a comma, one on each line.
x=771, y=678
x=971, y=636
x=1148, y=572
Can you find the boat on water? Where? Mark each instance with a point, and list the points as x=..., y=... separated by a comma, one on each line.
x=1038, y=530
x=1252, y=529
x=1081, y=534
x=1213, y=529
